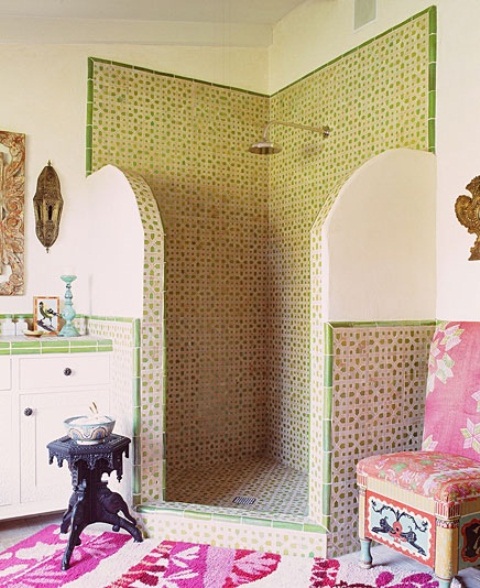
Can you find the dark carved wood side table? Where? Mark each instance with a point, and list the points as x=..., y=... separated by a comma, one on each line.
x=92, y=501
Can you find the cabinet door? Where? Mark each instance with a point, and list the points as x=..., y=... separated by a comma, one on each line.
x=5, y=373
x=41, y=421
x=8, y=452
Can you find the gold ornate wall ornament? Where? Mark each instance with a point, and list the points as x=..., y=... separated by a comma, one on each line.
x=467, y=210
x=12, y=196
x=48, y=206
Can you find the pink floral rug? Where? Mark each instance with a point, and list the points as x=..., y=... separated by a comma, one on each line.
x=114, y=560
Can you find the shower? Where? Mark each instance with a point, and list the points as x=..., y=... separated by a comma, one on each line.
x=237, y=409
x=267, y=147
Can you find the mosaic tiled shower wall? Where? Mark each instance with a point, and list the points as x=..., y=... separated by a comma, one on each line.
x=189, y=141
x=237, y=226
x=375, y=98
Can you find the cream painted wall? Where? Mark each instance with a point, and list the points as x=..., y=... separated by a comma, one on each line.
x=458, y=140
x=318, y=32
x=380, y=236
x=44, y=95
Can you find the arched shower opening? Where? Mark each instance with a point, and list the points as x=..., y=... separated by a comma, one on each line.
x=382, y=218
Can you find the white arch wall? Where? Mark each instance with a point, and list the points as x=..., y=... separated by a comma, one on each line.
x=378, y=254
x=380, y=217
x=125, y=271
x=114, y=265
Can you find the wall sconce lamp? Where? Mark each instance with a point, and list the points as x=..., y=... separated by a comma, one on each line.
x=48, y=206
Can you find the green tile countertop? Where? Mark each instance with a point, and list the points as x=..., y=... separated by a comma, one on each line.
x=38, y=345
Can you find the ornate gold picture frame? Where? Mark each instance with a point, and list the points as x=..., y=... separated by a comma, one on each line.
x=12, y=196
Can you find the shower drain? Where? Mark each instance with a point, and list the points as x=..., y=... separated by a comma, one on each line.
x=243, y=500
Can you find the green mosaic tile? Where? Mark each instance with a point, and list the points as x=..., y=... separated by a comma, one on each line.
x=287, y=525
x=261, y=522
x=23, y=344
x=203, y=516
x=228, y=518
x=23, y=350
x=314, y=528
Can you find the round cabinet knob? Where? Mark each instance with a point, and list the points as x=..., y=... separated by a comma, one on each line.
x=28, y=411
x=67, y=371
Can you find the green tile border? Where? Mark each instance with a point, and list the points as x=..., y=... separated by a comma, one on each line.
x=327, y=408
x=16, y=315
x=24, y=351
x=19, y=346
x=393, y=323
x=269, y=520
x=197, y=515
x=432, y=77
x=228, y=518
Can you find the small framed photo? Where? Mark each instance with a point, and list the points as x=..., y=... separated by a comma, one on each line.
x=46, y=314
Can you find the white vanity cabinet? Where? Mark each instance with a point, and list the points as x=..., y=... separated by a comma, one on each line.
x=7, y=465
x=42, y=391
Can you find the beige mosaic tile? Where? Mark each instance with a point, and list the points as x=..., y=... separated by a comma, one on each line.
x=271, y=487
x=122, y=373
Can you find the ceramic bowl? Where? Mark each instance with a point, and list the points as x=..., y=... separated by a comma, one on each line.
x=89, y=430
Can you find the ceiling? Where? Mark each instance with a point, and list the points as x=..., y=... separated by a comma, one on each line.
x=220, y=23
x=211, y=11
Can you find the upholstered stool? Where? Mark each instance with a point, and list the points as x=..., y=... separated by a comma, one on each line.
x=423, y=504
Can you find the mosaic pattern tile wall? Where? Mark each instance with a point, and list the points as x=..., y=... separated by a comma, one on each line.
x=377, y=406
x=419, y=32
x=189, y=141
x=149, y=352
x=123, y=336
x=375, y=98
x=237, y=242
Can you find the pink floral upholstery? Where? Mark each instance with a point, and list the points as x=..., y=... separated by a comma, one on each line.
x=452, y=410
x=441, y=476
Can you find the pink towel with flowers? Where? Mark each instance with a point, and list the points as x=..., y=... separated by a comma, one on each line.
x=452, y=408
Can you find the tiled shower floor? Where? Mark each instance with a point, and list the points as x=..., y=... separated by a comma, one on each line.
x=275, y=487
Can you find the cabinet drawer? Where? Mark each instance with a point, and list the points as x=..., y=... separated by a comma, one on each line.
x=5, y=373
x=66, y=371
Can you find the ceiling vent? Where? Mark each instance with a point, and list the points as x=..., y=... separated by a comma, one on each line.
x=365, y=12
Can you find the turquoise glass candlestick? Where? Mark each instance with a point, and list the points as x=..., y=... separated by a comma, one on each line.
x=68, y=314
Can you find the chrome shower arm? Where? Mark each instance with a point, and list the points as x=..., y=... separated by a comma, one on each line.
x=324, y=130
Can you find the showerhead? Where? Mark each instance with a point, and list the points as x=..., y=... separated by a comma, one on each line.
x=267, y=147
x=264, y=147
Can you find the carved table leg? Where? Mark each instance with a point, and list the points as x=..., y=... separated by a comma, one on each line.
x=75, y=517
x=108, y=505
